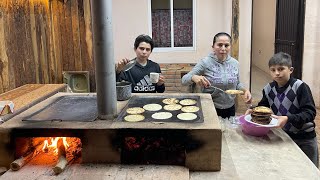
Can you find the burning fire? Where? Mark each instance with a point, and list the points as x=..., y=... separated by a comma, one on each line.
x=54, y=144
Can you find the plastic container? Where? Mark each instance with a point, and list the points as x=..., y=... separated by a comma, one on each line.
x=251, y=129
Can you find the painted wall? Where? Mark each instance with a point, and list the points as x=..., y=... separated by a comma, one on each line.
x=212, y=16
x=128, y=22
x=263, y=32
x=310, y=71
x=245, y=41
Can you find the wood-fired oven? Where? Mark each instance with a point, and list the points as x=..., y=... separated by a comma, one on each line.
x=194, y=145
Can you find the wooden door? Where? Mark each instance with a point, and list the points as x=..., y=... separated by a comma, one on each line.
x=290, y=31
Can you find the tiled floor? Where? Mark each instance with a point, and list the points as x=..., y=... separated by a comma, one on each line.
x=258, y=83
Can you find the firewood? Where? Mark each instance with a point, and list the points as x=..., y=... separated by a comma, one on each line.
x=62, y=161
x=19, y=163
x=61, y=165
x=3, y=170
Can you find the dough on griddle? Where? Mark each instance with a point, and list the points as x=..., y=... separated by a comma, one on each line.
x=172, y=107
x=135, y=110
x=188, y=102
x=170, y=101
x=161, y=115
x=187, y=116
x=152, y=107
x=134, y=118
x=190, y=109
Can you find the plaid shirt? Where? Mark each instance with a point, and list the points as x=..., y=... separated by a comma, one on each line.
x=295, y=101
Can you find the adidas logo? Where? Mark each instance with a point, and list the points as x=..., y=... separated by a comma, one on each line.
x=144, y=85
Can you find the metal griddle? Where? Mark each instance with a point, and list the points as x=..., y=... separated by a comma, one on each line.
x=140, y=101
x=67, y=108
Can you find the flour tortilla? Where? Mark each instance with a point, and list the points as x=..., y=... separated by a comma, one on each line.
x=234, y=91
x=172, y=107
x=161, y=115
x=135, y=110
x=187, y=116
x=170, y=101
x=152, y=107
x=187, y=102
x=134, y=118
x=190, y=109
x=262, y=109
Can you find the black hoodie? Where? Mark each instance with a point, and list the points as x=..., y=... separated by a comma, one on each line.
x=139, y=76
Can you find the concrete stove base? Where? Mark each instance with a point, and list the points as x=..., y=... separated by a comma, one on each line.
x=97, y=136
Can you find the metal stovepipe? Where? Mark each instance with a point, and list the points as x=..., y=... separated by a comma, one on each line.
x=101, y=11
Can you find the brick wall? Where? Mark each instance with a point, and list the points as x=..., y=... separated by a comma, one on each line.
x=173, y=74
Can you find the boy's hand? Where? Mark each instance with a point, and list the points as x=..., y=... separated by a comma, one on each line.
x=161, y=80
x=282, y=120
x=248, y=111
x=201, y=81
x=120, y=65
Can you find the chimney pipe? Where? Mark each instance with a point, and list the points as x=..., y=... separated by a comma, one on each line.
x=104, y=58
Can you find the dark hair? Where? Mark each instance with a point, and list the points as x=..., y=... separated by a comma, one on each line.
x=280, y=58
x=143, y=38
x=220, y=34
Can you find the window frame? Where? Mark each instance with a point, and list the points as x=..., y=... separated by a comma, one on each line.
x=172, y=48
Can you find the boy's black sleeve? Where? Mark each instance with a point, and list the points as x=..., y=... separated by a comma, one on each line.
x=264, y=101
x=307, y=108
x=161, y=88
x=120, y=76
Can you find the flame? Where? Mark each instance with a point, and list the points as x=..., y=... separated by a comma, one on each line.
x=54, y=144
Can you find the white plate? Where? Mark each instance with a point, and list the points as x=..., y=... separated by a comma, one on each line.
x=273, y=122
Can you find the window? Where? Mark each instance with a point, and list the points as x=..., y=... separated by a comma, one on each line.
x=172, y=23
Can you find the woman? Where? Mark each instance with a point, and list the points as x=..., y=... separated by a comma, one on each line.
x=216, y=73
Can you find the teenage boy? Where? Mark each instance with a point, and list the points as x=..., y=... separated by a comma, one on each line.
x=139, y=74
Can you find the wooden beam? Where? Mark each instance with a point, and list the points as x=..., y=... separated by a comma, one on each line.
x=34, y=41
x=235, y=28
x=76, y=36
x=4, y=61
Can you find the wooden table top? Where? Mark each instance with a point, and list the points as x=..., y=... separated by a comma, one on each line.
x=27, y=95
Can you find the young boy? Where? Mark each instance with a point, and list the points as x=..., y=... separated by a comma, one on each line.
x=292, y=103
x=139, y=74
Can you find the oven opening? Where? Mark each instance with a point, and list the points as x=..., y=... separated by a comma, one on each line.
x=149, y=147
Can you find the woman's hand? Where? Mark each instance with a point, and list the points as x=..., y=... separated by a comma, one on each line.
x=121, y=64
x=161, y=80
x=247, y=97
x=201, y=81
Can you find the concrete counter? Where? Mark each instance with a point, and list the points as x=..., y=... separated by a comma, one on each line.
x=274, y=156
